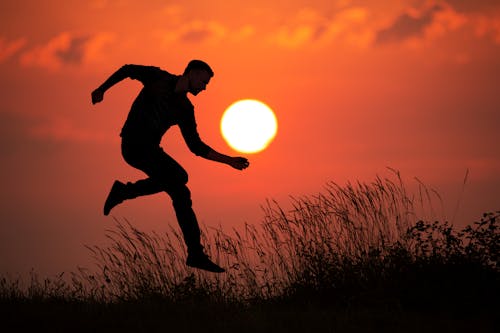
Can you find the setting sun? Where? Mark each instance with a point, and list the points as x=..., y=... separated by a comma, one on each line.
x=248, y=126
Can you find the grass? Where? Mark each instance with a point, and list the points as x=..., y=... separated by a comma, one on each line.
x=358, y=257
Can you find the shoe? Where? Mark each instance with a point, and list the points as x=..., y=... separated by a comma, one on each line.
x=115, y=197
x=202, y=261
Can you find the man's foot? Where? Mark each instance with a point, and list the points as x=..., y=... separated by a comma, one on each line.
x=202, y=261
x=115, y=196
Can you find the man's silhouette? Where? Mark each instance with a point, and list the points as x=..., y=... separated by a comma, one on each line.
x=162, y=103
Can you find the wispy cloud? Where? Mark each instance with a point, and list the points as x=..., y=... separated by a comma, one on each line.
x=199, y=31
x=184, y=29
x=475, y=6
x=74, y=52
x=488, y=27
x=307, y=25
x=66, y=49
x=311, y=26
x=10, y=48
x=352, y=26
x=406, y=26
x=482, y=18
x=362, y=26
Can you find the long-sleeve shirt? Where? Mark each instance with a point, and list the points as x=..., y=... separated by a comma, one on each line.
x=158, y=107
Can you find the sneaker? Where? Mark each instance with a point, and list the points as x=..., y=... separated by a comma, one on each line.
x=115, y=196
x=202, y=261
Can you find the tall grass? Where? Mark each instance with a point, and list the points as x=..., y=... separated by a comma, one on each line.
x=349, y=245
x=318, y=234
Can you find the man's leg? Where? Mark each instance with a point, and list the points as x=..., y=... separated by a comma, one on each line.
x=172, y=178
x=181, y=199
x=120, y=192
x=165, y=174
x=139, y=157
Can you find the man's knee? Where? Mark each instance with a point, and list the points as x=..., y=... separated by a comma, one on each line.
x=174, y=178
x=180, y=195
x=174, y=174
x=182, y=177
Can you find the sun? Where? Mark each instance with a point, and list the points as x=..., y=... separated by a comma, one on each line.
x=248, y=126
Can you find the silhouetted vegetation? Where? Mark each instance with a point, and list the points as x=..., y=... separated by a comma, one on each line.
x=352, y=258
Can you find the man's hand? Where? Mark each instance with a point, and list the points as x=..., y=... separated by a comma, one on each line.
x=97, y=96
x=239, y=163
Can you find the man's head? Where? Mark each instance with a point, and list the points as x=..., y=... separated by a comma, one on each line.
x=198, y=73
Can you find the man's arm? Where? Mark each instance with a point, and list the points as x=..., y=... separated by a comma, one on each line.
x=119, y=75
x=239, y=163
x=137, y=72
x=199, y=148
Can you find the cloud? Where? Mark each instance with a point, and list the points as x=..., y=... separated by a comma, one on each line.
x=199, y=31
x=295, y=36
x=48, y=55
x=306, y=26
x=474, y=6
x=358, y=26
x=406, y=26
x=488, y=27
x=483, y=17
x=243, y=33
x=185, y=30
x=74, y=52
x=351, y=25
x=10, y=48
x=480, y=18
x=309, y=26
x=66, y=49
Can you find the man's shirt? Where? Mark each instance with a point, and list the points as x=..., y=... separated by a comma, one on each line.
x=158, y=107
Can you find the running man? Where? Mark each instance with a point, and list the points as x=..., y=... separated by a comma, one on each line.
x=163, y=103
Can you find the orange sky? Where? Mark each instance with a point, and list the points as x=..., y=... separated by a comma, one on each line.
x=356, y=87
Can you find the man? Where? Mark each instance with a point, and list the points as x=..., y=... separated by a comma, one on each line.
x=162, y=103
